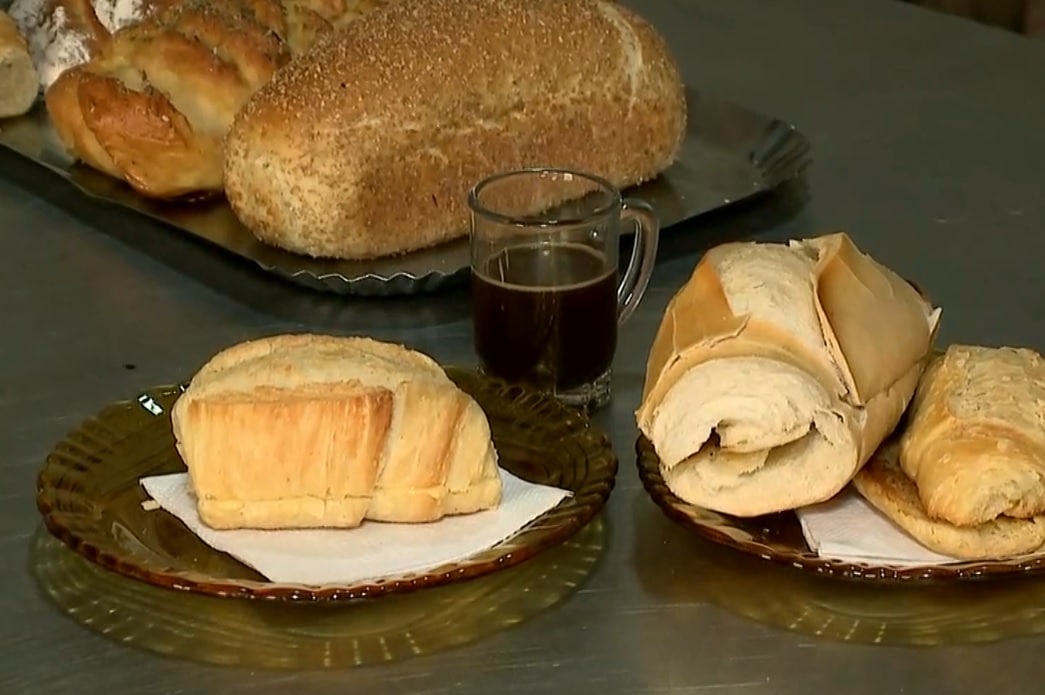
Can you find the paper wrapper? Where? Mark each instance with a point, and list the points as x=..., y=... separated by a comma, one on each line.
x=848, y=528
x=369, y=552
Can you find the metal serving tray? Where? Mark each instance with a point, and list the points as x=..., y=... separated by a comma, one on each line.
x=730, y=154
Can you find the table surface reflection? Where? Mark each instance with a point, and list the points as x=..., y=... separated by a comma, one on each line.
x=928, y=148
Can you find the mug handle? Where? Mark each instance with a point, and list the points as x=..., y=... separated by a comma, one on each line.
x=643, y=255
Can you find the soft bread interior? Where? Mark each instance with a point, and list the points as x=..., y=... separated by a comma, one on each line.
x=759, y=396
x=774, y=446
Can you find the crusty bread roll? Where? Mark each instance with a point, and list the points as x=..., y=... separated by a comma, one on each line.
x=885, y=485
x=300, y=431
x=18, y=78
x=154, y=105
x=777, y=370
x=367, y=145
x=975, y=440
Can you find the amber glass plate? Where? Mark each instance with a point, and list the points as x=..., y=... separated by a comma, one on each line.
x=89, y=496
x=778, y=537
x=302, y=635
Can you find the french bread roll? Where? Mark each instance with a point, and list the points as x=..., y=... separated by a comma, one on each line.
x=366, y=146
x=777, y=371
x=307, y=431
x=883, y=483
x=974, y=444
x=18, y=78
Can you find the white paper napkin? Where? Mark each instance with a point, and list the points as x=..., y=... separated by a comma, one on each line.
x=372, y=551
x=848, y=528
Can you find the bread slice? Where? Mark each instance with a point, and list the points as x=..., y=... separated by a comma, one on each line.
x=975, y=442
x=778, y=369
x=299, y=431
x=883, y=483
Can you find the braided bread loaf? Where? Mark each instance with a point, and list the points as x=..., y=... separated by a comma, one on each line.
x=153, y=107
x=307, y=431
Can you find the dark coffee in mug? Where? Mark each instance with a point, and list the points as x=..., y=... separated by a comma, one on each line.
x=546, y=314
x=546, y=297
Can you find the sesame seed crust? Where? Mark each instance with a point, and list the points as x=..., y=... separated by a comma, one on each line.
x=366, y=145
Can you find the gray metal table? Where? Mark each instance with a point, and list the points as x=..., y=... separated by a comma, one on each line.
x=929, y=148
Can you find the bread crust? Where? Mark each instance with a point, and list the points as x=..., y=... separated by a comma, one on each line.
x=778, y=370
x=975, y=440
x=883, y=483
x=399, y=114
x=300, y=431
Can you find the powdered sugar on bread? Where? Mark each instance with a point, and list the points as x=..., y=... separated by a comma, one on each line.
x=61, y=37
x=116, y=14
x=53, y=44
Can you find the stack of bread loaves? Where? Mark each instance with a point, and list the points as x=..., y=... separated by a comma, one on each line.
x=153, y=104
x=364, y=144
x=304, y=431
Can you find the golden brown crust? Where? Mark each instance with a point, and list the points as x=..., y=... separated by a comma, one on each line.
x=851, y=286
x=240, y=483
x=155, y=104
x=390, y=139
x=778, y=369
x=315, y=431
x=975, y=441
x=884, y=484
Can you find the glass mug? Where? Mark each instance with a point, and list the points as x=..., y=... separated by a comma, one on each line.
x=546, y=301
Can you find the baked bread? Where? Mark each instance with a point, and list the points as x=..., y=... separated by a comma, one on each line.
x=367, y=145
x=975, y=440
x=153, y=107
x=301, y=431
x=883, y=483
x=778, y=370
x=65, y=33
x=18, y=78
